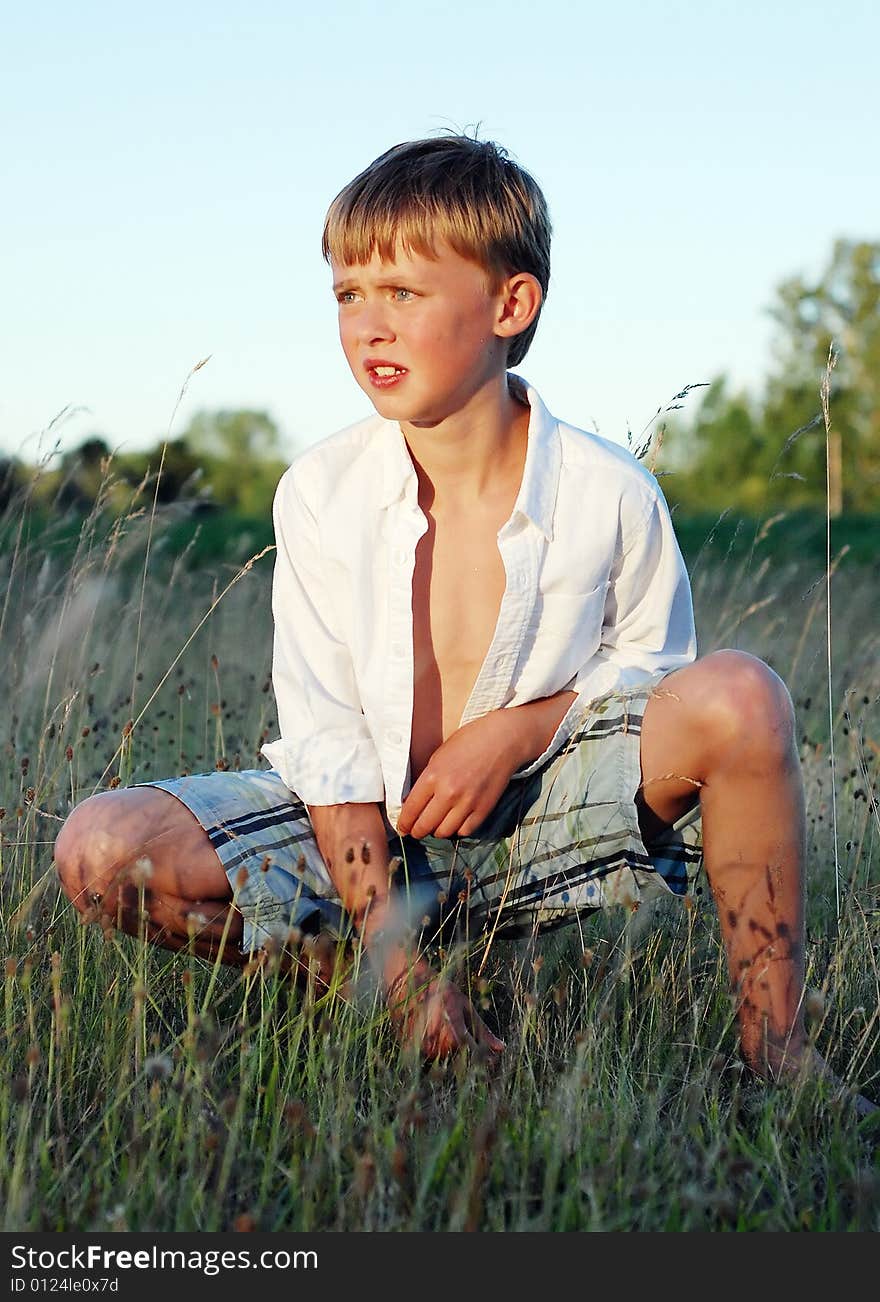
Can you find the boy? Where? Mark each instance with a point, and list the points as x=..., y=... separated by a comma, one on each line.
x=491, y=712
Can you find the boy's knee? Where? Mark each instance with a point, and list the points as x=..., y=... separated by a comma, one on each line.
x=85, y=849
x=747, y=703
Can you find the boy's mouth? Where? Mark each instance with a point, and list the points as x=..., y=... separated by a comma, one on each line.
x=384, y=374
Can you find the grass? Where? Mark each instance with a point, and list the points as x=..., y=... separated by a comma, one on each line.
x=142, y=1090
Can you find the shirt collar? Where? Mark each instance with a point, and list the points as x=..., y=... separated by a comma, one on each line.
x=540, y=482
x=536, y=499
x=397, y=467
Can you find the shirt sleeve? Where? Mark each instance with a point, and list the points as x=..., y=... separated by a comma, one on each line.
x=325, y=753
x=647, y=626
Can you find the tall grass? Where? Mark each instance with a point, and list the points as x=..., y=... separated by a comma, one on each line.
x=143, y=1090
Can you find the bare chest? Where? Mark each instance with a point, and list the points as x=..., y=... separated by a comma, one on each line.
x=458, y=583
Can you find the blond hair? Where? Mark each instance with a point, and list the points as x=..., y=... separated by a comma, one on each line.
x=466, y=192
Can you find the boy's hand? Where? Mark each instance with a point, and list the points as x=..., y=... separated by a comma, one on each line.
x=465, y=777
x=433, y=1015
x=354, y=846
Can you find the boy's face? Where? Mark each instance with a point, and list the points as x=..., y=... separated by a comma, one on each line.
x=419, y=333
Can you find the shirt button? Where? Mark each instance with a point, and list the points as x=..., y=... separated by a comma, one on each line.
x=400, y=556
x=398, y=650
x=394, y=737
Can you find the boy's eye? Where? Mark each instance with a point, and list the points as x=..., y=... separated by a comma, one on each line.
x=346, y=296
x=403, y=295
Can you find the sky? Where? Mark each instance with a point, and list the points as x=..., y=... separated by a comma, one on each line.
x=167, y=167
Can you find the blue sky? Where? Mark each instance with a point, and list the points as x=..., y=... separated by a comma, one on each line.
x=167, y=169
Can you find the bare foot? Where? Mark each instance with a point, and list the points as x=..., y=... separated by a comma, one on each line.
x=810, y=1065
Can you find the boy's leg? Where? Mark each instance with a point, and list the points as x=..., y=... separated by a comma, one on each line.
x=100, y=854
x=723, y=729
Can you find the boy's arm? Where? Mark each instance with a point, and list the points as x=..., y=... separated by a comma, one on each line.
x=466, y=776
x=427, y=1009
x=325, y=753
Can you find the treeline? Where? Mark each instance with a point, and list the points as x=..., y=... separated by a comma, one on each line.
x=765, y=452
x=719, y=449
x=226, y=460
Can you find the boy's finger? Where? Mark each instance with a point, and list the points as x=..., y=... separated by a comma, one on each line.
x=409, y=812
x=430, y=818
x=481, y=1031
x=492, y=1042
x=452, y=824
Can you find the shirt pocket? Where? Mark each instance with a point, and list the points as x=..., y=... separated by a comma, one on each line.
x=565, y=633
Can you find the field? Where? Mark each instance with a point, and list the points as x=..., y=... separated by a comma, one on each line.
x=142, y=1090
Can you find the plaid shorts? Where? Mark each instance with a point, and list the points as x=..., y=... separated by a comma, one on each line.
x=560, y=843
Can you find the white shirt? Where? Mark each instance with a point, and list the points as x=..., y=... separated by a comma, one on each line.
x=596, y=598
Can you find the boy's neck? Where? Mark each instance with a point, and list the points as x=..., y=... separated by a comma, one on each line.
x=471, y=455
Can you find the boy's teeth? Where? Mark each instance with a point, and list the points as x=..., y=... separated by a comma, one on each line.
x=385, y=370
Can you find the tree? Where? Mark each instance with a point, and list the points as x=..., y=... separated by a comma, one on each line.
x=722, y=456
x=840, y=311
x=242, y=456
x=770, y=452
x=12, y=480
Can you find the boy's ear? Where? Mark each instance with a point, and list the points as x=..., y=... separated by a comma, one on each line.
x=520, y=298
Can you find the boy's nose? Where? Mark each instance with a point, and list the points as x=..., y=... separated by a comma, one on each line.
x=374, y=325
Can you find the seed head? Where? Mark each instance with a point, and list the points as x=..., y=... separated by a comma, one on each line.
x=297, y=1118
x=814, y=1005
x=157, y=1067
x=399, y=1163
x=141, y=871
x=365, y=1175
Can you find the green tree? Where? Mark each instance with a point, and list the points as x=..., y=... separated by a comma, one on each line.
x=13, y=478
x=839, y=311
x=769, y=452
x=182, y=476
x=721, y=456
x=242, y=455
